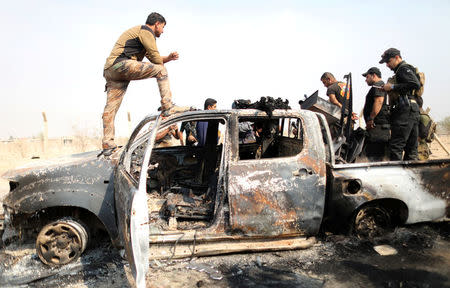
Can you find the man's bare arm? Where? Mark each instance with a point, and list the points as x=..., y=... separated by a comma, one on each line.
x=166, y=131
x=334, y=100
x=170, y=57
x=180, y=136
x=377, y=104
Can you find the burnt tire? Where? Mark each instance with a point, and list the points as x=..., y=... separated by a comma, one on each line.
x=61, y=242
x=371, y=221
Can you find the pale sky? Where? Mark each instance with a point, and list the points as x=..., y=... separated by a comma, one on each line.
x=54, y=52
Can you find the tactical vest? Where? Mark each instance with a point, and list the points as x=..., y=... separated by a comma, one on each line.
x=414, y=94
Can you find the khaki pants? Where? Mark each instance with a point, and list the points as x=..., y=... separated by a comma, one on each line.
x=117, y=78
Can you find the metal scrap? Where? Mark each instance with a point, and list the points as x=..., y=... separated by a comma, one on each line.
x=209, y=269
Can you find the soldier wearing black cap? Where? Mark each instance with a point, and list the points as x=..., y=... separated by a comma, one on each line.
x=376, y=115
x=404, y=109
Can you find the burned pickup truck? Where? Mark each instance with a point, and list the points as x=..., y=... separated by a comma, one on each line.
x=271, y=192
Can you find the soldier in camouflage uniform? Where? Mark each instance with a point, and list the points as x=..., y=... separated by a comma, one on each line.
x=427, y=128
x=125, y=64
x=423, y=150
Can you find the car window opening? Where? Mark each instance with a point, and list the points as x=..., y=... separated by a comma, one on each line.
x=269, y=138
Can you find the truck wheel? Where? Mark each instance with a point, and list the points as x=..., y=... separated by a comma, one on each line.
x=371, y=221
x=62, y=241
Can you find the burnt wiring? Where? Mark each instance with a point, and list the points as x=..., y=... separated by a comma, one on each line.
x=193, y=246
x=174, y=247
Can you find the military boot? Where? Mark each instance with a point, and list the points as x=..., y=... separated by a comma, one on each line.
x=107, y=151
x=176, y=109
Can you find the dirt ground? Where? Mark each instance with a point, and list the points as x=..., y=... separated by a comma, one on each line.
x=422, y=259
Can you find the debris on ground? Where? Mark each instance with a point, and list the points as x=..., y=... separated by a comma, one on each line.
x=208, y=269
x=385, y=250
x=422, y=260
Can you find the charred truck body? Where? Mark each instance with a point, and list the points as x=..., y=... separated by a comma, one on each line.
x=270, y=194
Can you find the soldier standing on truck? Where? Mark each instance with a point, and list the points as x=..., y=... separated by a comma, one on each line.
x=125, y=64
x=336, y=94
x=335, y=89
x=427, y=129
x=404, y=108
x=202, y=126
x=376, y=116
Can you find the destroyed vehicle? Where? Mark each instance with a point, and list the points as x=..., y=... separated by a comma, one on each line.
x=230, y=195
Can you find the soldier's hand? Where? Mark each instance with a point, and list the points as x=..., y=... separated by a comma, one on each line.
x=174, y=56
x=387, y=87
x=370, y=125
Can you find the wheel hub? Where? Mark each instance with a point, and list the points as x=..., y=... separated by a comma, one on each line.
x=61, y=242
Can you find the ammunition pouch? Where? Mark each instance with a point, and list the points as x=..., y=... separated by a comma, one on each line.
x=380, y=133
x=402, y=104
x=393, y=96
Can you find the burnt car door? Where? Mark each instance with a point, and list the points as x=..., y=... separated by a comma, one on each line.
x=131, y=197
x=282, y=193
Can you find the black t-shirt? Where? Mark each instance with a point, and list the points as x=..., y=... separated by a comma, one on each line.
x=338, y=89
x=382, y=117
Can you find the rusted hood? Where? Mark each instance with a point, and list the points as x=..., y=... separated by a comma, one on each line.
x=41, y=165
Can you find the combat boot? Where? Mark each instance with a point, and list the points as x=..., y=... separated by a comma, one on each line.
x=108, y=151
x=176, y=109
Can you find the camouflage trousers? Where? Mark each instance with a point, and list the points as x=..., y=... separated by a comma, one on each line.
x=423, y=150
x=117, y=78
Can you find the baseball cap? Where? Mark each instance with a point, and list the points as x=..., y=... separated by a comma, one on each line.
x=389, y=53
x=373, y=70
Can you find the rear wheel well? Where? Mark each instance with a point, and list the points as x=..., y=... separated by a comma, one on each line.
x=387, y=212
x=396, y=208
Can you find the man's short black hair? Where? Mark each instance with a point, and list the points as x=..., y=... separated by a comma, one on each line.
x=209, y=102
x=327, y=75
x=155, y=17
x=258, y=125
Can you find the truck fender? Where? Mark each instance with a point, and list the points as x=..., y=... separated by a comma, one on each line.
x=100, y=203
